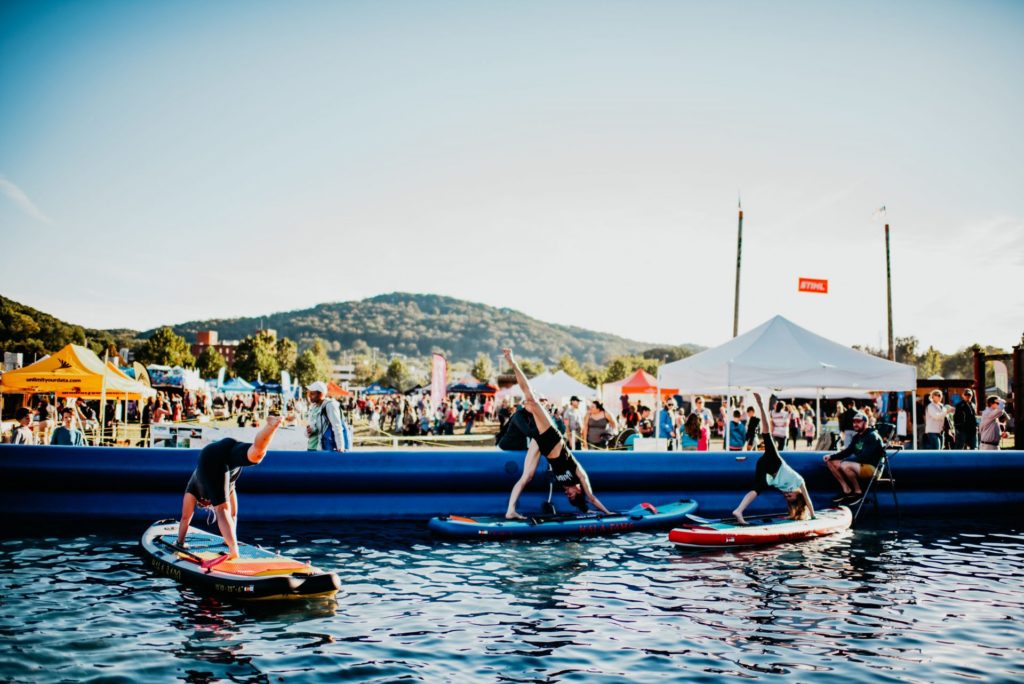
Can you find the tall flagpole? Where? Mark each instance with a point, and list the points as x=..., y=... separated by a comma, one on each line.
x=739, y=255
x=888, y=290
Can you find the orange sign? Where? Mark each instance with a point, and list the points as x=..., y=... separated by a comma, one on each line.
x=817, y=285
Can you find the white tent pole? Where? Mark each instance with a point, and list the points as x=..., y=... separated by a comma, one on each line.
x=727, y=419
x=817, y=410
x=913, y=405
x=103, y=397
x=657, y=407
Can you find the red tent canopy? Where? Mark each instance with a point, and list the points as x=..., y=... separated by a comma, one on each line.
x=337, y=391
x=643, y=382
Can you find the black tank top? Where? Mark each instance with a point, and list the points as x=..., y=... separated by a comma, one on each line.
x=563, y=469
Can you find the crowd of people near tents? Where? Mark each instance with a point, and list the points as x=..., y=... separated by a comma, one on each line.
x=807, y=373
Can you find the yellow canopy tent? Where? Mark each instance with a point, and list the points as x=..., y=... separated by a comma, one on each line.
x=73, y=371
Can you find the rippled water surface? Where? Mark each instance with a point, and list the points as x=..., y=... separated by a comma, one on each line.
x=923, y=603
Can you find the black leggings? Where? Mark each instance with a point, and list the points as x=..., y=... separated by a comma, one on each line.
x=768, y=464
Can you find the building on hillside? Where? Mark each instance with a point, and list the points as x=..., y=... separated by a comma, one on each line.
x=208, y=338
x=343, y=373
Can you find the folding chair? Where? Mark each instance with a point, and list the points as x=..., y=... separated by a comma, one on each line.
x=883, y=471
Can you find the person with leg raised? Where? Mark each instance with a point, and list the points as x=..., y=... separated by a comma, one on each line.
x=550, y=444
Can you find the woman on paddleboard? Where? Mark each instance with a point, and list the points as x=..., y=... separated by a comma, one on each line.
x=773, y=472
x=213, y=481
x=565, y=470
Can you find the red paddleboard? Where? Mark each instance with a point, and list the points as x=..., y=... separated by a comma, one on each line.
x=727, y=533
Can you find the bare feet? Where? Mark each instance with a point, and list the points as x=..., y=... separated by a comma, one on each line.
x=739, y=518
x=512, y=515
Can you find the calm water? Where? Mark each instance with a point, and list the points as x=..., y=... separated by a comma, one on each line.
x=924, y=603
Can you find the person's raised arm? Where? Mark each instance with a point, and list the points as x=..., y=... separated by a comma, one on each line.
x=764, y=415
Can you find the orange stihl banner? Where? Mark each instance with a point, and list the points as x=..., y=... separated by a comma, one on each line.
x=813, y=285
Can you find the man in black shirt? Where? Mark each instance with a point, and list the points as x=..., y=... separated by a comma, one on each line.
x=867, y=450
x=753, y=429
x=965, y=421
x=213, y=481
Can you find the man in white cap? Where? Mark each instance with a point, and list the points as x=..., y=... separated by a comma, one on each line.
x=325, y=430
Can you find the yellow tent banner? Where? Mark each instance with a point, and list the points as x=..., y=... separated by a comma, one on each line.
x=73, y=371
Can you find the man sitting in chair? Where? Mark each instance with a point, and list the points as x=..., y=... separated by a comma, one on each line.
x=866, y=450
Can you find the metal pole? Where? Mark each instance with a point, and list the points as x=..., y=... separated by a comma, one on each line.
x=739, y=255
x=1018, y=395
x=888, y=290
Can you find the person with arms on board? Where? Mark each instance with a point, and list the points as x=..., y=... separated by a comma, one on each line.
x=772, y=472
x=213, y=481
x=866, y=450
x=550, y=444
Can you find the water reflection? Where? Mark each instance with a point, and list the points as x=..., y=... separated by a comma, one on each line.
x=876, y=604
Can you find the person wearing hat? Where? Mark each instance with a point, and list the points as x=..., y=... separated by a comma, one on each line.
x=864, y=452
x=573, y=417
x=325, y=428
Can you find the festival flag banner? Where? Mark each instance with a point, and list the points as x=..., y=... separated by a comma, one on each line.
x=816, y=285
x=438, y=380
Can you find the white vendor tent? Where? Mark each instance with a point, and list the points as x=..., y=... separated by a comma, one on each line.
x=780, y=355
x=560, y=386
x=557, y=387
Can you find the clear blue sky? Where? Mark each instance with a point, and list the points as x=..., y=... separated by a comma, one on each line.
x=578, y=161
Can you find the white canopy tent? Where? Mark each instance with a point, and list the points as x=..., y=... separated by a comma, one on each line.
x=560, y=386
x=779, y=355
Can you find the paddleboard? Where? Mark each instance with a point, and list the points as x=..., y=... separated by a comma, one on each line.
x=256, y=575
x=640, y=517
x=762, y=530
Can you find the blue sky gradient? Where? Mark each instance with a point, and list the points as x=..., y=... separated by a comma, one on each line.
x=578, y=161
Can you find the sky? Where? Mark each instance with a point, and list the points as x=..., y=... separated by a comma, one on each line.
x=580, y=162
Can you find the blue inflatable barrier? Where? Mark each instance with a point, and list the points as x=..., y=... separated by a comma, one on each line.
x=143, y=484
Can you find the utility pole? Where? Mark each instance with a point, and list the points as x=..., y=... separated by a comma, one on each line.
x=888, y=290
x=739, y=255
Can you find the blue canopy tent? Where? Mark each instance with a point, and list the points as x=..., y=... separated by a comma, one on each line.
x=237, y=386
x=274, y=388
x=377, y=388
x=471, y=388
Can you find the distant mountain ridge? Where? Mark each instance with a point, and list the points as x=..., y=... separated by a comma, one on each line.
x=418, y=324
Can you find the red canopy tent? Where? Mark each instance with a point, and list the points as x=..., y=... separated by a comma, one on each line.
x=337, y=391
x=643, y=382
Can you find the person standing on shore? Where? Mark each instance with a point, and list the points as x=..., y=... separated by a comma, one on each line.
x=325, y=428
x=65, y=434
x=965, y=422
x=935, y=420
x=22, y=433
x=991, y=425
x=574, y=422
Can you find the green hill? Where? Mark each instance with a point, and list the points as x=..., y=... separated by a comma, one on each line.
x=418, y=324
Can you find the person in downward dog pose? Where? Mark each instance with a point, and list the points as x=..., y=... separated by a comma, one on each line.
x=549, y=443
x=213, y=481
x=774, y=473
